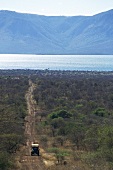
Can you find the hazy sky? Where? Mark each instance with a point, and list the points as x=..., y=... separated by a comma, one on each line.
x=57, y=7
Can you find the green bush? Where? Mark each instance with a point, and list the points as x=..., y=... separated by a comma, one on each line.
x=5, y=162
x=101, y=112
x=61, y=113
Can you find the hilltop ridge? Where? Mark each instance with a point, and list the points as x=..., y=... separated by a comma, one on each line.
x=38, y=34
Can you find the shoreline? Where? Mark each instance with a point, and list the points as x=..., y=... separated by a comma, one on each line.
x=55, y=73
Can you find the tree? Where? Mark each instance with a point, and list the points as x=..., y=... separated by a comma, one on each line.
x=101, y=112
x=57, y=122
x=60, y=154
x=91, y=139
x=5, y=163
x=10, y=142
x=60, y=113
x=60, y=140
x=76, y=133
x=105, y=139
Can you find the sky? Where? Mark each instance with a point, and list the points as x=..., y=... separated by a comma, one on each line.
x=57, y=7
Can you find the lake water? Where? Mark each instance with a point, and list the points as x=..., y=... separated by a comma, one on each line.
x=57, y=62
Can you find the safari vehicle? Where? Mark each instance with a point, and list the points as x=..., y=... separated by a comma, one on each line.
x=34, y=149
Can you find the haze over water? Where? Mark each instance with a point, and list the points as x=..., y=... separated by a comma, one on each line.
x=57, y=62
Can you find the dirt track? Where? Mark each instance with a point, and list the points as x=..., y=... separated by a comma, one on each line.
x=25, y=161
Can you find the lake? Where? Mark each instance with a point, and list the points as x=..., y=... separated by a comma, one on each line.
x=57, y=62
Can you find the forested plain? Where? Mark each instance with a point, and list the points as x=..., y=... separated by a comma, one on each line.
x=76, y=121
x=74, y=118
x=13, y=110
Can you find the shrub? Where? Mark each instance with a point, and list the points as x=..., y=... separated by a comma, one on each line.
x=61, y=113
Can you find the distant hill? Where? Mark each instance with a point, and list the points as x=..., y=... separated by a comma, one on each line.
x=37, y=34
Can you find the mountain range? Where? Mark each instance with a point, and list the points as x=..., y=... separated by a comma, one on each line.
x=22, y=33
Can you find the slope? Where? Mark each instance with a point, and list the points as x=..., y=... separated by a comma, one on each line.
x=36, y=34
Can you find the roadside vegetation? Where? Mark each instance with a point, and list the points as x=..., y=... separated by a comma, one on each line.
x=13, y=110
x=76, y=118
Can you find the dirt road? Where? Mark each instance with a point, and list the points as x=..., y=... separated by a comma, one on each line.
x=25, y=160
